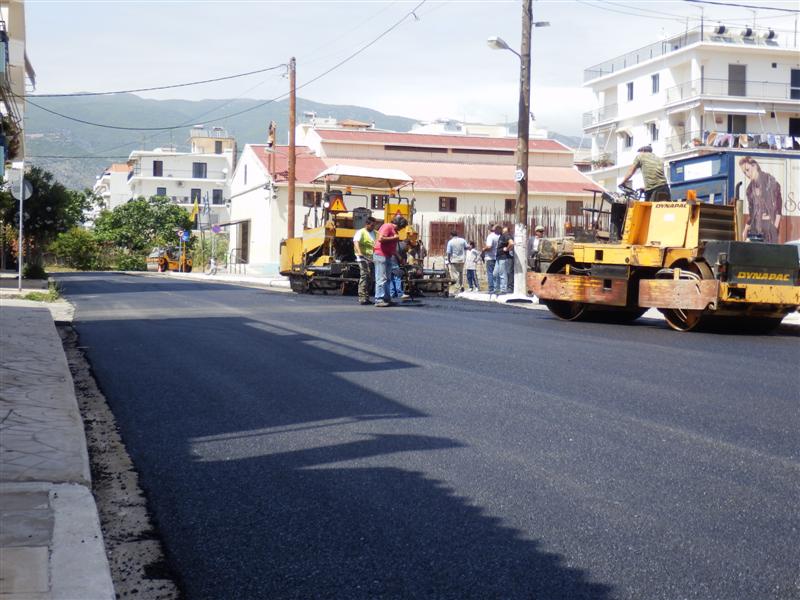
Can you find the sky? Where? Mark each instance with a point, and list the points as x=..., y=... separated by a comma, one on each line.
x=434, y=64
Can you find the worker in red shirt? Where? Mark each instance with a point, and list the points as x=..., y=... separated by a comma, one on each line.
x=385, y=258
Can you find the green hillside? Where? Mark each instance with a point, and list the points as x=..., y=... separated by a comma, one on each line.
x=49, y=135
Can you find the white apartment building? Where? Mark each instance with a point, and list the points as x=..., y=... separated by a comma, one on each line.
x=201, y=175
x=14, y=69
x=713, y=87
x=112, y=186
x=457, y=179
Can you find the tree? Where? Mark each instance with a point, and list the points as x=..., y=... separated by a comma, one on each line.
x=136, y=227
x=79, y=248
x=51, y=209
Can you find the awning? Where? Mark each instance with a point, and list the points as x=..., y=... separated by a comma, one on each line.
x=364, y=177
x=735, y=109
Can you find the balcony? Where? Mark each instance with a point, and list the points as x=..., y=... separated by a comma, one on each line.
x=748, y=90
x=693, y=140
x=693, y=36
x=600, y=115
x=178, y=174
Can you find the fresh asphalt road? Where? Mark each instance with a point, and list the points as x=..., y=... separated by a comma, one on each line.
x=307, y=447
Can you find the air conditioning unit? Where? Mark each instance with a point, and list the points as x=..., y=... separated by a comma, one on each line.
x=747, y=32
x=769, y=35
x=180, y=184
x=720, y=29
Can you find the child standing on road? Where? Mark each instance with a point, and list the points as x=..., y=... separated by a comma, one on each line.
x=471, y=266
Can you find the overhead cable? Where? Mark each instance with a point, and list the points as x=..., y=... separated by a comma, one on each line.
x=161, y=87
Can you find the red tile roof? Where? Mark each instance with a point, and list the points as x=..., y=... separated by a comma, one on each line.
x=440, y=175
x=307, y=165
x=438, y=141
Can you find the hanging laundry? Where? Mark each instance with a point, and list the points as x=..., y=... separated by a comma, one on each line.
x=743, y=141
x=712, y=137
x=771, y=140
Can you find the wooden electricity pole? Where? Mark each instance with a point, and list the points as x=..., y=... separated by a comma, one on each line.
x=292, y=154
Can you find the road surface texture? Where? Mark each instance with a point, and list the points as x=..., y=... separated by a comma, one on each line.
x=307, y=447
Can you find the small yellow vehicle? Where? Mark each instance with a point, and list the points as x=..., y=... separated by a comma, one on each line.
x=169, y=258
x=323, y=258
x=681, y=257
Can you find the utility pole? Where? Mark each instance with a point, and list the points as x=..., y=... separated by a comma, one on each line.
x=521, y=175
x=292, y=154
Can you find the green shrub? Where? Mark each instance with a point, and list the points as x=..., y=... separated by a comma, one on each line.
x=131, y=262
x=79, y=249
x=34, y=271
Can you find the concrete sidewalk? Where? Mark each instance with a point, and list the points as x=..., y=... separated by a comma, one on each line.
x=51, y=545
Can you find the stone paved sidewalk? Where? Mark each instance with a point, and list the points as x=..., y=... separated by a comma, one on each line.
x=51, y=545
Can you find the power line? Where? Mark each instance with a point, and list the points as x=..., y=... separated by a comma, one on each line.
x=161, y=87
x=751, y=6
x=630, y=14
x=246, y=110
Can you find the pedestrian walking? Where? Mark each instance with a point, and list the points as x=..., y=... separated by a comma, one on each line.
x=471, y=267
x=504, y=258
x=385, y=258
x=490, y=253
x=364, y=247
x=456, y=252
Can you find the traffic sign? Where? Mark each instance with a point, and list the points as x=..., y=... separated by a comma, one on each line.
x=180, y=233
x=185, y=236
x=216, y=228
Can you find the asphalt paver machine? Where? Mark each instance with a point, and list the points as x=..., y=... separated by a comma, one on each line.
x=323, y=260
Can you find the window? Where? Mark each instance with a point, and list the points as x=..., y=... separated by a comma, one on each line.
x=378, y=201
x=737, y=124
x=655, y=83
x=158, y=168
x=574, y=208
x=511, y=205
x=199, y=170
x=216, y=197
x=653, y=127
x=447, y=204
x=161, y=191
x=627, y=140
x=794, y=92
x=217, y=147
x=630, y=90
x=312, y=198
x=195, y=197
x=737, y=80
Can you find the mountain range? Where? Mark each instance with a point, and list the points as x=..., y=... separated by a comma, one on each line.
x=76, y=150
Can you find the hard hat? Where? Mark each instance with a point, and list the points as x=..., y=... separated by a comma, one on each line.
x=539, y=228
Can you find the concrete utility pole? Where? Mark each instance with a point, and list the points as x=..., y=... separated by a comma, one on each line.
x=292, y=154
x=20, y=252
x=521, y=175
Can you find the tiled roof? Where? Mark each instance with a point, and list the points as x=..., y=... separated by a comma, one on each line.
x=307, y=165
x=437, y=141
x=439, y=175
x=120, y=167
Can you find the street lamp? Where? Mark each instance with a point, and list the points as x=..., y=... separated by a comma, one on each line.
x=521, y=173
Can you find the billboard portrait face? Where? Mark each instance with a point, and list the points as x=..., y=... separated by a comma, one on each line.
x=769, y=188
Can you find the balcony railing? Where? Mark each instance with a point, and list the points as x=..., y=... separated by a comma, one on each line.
x=717, y=139
x=138, y=171
x=604, y=113
x=766, y=90
x=692, y=36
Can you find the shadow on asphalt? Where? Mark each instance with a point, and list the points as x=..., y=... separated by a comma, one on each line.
x=93, y=283
x=242, y=466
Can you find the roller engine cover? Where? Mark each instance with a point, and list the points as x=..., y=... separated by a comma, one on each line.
x=753, y=262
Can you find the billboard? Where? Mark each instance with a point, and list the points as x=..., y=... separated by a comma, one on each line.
x=770, y=191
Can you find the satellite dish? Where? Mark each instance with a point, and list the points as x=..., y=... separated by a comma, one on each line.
x=27, y=190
